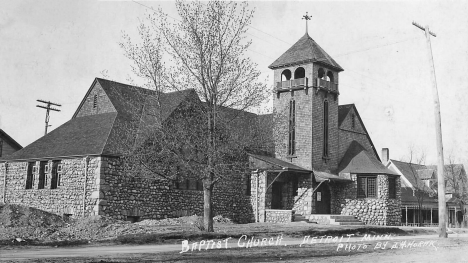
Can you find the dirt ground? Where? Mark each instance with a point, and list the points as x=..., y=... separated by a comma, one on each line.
x=427, y=250
x=44, y=237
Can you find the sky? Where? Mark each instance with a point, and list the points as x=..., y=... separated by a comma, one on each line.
x=53, y=50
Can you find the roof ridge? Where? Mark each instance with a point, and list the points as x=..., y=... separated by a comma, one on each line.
x=108, y=134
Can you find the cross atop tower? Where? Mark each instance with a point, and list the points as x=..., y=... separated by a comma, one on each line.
x=307, y=17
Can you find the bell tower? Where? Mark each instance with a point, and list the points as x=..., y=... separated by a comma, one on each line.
x=305, y=105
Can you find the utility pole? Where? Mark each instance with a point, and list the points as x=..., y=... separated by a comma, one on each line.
x=440, y=152
x=48, y=108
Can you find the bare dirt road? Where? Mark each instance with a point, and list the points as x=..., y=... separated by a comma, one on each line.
x=428, y=248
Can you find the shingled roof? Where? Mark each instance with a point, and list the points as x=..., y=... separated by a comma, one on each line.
x=305, y=50
x=77, y=137
x=412, y=173
x=357, y=160
x=100, y=134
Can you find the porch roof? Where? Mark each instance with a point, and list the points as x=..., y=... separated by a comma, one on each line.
x=270, y=163
x=324, y=176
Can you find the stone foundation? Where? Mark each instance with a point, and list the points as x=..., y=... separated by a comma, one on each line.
x=380, y=210
x=278, y=216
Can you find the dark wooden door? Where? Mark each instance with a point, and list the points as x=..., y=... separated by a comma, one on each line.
x=323, y=199
x=277, y=195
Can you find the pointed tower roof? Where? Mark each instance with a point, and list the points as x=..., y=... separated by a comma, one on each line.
x=305, y=50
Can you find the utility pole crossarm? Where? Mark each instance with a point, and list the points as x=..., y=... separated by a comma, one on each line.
x=48, y=102
x=424, y=29
x=48, y=109
x=39, y=106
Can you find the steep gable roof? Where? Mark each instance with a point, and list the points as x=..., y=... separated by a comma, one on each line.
x=78, y=137
x=358, y=160
x=410, y=172
x=104, y=133
x=12, y=142
x=305, y=50
x=343, y=111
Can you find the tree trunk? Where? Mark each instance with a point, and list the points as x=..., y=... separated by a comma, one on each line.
x=208, y=206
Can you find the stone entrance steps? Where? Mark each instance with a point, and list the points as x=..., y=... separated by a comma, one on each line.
x=328, y=219
x=301, y=218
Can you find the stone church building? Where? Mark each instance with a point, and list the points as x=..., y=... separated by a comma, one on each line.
x=325, y=163
x=324, y=167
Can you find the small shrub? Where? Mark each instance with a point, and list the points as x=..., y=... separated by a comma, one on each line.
x=197, y=221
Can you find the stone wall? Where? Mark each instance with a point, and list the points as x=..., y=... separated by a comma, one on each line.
x=121, y=196
x=110, y=192
x=66, y=199
x=303, y=200
x=278, y=216
x=381, y=210
x=261, y=197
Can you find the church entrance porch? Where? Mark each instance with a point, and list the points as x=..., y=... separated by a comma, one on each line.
x=323, y=199
x=281, y=191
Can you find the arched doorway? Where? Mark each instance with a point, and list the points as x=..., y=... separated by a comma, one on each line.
x=322, y=200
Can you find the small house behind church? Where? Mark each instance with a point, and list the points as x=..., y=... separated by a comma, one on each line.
x=7, y=144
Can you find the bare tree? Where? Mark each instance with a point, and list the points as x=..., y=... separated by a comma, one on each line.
x=206, y=49
x=420, y=189
x=457, y=183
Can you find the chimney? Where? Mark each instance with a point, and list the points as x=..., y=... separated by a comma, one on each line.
x=385, y=155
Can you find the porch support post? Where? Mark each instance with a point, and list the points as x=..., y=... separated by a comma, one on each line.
x=455, y=217
x=406, y=215
x=414, y=217
x=431, y=216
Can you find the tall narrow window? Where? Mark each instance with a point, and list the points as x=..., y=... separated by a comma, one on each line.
x=56, y=175
x=95, y=101
x=29, y=176
x=325, y=128
x=353, y=121
x=248, y=184
x=42, y=175
x=292, y=128
x=1, y=147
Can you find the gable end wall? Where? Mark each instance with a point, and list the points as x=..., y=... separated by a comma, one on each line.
x=104, y=105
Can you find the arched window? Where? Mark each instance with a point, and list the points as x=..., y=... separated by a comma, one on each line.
x=325, y=128
x=321, y=73
x=330, y=76
x=299, y=73
x=292, y=128
x=286, y=75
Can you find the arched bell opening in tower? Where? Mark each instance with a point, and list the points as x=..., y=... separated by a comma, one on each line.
x=299, y=73
x=286, y=75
